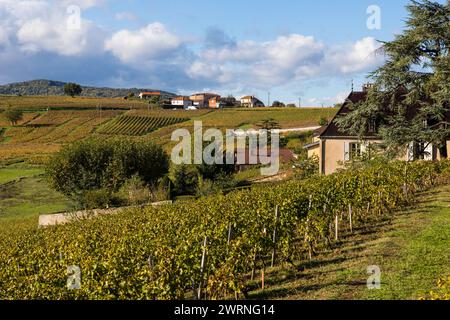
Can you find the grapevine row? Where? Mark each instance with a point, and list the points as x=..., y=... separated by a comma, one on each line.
x=156, y=253
x=135, y=125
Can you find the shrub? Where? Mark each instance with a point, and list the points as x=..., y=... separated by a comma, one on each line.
x=13, y=116
x=323, y=121
x=185, y=179
x=104, y=164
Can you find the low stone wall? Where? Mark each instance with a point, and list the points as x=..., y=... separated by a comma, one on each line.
x=46, y=220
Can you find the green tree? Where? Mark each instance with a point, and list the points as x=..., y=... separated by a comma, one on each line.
x=269, y=124
x=13, y=115
x=278, y=104
x=72, y=89
x=415, y=76
x=90, y=166
x=185, y=179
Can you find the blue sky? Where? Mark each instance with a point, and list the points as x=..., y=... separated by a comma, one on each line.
x=307, y=49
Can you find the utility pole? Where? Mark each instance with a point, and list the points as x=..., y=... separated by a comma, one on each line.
x=268, y=100
x=299, y=102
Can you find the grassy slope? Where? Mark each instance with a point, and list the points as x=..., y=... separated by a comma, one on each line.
x=30, y=196
x=15, y=172
x=412, y=252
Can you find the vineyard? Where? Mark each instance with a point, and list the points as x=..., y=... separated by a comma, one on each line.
x=58, y=126
x=209, y=248
x=137, y=126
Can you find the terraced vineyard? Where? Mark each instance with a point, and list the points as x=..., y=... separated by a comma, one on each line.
x=137, y=126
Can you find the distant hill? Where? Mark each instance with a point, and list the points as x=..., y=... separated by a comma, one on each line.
x=56, y=88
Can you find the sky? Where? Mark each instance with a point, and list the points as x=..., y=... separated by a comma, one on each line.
x=294, y=49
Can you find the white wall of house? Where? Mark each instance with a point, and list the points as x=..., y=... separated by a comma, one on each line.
x=184, y=103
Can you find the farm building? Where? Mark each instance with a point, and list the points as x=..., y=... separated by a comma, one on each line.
x=334, y=147
x=148, y=95
x=251, y=102
x=202, y=100
x=184, y=102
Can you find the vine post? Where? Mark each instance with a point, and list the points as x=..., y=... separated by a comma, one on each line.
x=350, y=216
x=336, y=227
x=274, y=238
x=202, y=269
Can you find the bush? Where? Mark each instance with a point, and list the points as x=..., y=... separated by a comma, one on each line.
x=13, y=116
x=218, y=185
x=96, y=164
x=323, y=121
x=307, y=168
x=101, y=198
x=184, y=179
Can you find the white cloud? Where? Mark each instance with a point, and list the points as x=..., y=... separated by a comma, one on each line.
x=83, y=4
x=328, y=101
x=143, y=46
x=285, y=59
x=353, y=58
x=126, y=15
x=35, y=26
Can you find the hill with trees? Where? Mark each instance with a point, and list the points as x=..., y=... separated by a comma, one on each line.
x=56, y=88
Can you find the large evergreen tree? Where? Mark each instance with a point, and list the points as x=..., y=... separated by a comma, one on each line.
x=415, y=76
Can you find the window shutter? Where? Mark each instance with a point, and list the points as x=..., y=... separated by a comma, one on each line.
x=429, y=152
x=346, y=151
x=411, y=152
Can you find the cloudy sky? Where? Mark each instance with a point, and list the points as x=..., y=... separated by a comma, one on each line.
x=290, y=48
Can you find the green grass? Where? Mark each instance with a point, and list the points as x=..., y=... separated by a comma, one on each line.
x=16, y=172
x=419, y=251
x=411, y=249
x=250, y=118
x=29, y=198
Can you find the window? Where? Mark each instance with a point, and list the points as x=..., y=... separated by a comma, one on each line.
x=372, y=126
x=355, y=150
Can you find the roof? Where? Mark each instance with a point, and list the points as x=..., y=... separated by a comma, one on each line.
x=311, y=145
x=332, y=130
x=151, y=93
x=247, y=97
x=318, y=132
x=181, y=98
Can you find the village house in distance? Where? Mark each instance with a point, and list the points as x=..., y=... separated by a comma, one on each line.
x=334, y=147
x=203, y=101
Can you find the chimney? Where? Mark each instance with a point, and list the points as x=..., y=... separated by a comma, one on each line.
x=367, y=86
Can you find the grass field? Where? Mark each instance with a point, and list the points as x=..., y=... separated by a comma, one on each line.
x=25, y=193
x=18, y=171
x=62, y=102
x=412, y=253
x=249, y=118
